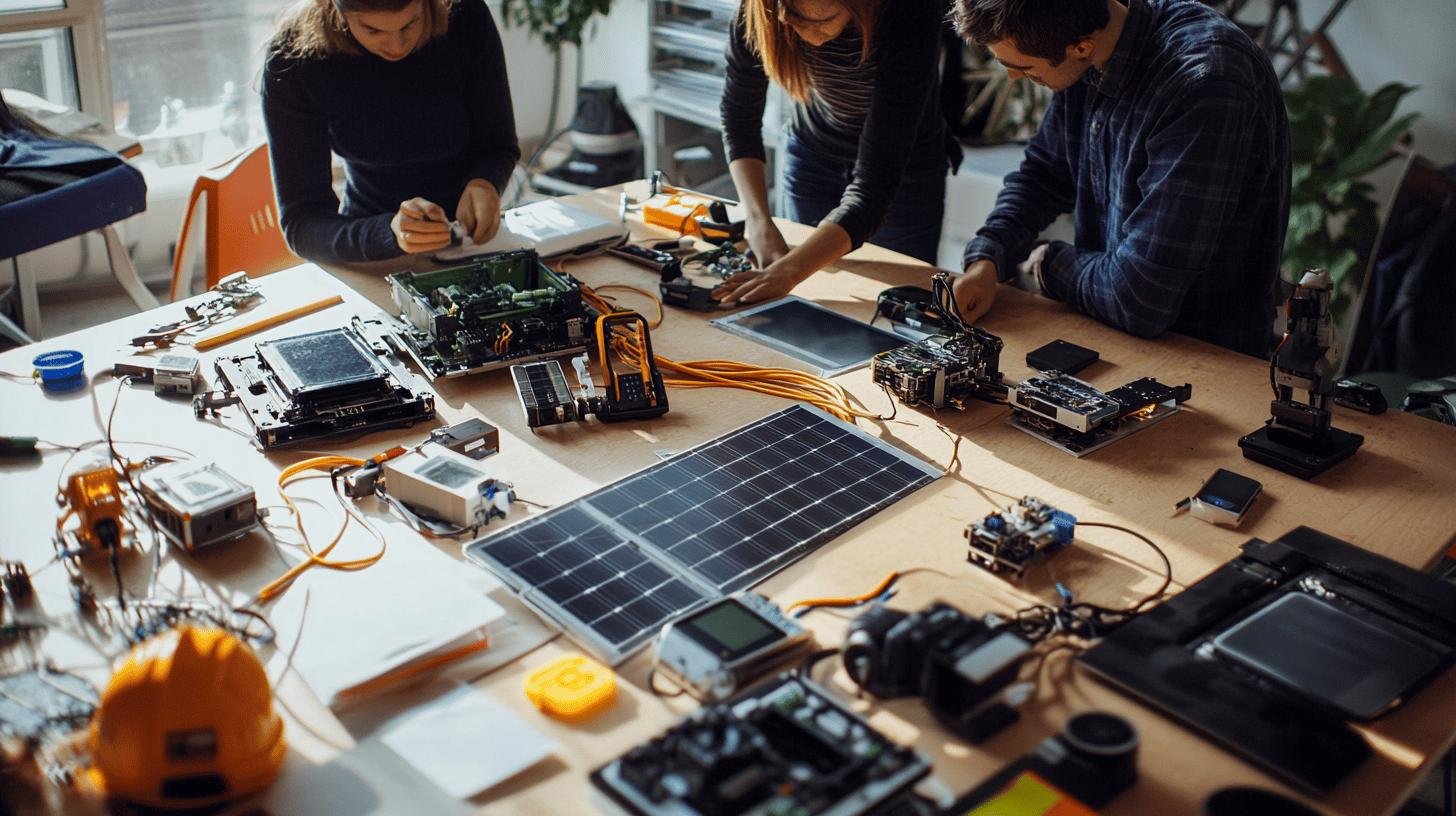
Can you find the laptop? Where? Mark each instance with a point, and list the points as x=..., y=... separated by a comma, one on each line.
x=549, y=227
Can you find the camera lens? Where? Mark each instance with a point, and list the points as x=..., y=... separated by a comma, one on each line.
x=1099, y=734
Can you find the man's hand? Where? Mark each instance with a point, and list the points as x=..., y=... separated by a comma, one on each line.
x=766, y=242
x=479, y=210
x=420, y=226
x=760, y=285
x=975, y=291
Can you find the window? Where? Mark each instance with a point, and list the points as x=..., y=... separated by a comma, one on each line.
x=50, y=48
x=184, y=76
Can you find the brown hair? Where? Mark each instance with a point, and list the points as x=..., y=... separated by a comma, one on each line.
x=769, y=35
x=316, y=28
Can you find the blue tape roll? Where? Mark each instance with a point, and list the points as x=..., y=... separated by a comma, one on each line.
x=61, y=370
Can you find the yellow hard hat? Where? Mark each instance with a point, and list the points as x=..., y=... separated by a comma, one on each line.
x=186, y=721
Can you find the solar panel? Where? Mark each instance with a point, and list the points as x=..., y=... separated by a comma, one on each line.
x=615, y=565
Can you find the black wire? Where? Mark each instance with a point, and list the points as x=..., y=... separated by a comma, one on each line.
x=1167, y=565
x=806, y=668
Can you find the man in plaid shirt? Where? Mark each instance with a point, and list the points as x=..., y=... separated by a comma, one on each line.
x=1167, y=140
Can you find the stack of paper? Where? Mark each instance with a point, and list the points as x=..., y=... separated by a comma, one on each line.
x=381, y=622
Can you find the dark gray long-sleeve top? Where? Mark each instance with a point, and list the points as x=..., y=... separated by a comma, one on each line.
x=873, y=115
x=423, y=126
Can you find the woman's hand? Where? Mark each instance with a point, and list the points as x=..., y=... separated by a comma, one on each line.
x=479, y=210
x=755, y=286
x=420, y=226
x=766, y=242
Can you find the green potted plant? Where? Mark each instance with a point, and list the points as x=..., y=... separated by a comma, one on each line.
x=558, y=23
x=1339, y=135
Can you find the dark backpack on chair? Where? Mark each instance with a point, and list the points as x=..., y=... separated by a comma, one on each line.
x=33, y=160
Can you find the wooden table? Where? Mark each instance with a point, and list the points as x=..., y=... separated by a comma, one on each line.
x=1391, y=498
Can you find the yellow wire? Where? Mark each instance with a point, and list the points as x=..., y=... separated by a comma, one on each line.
x=851, y=601
x=323, y=465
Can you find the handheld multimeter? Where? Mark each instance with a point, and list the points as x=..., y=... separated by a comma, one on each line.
x=715, y=650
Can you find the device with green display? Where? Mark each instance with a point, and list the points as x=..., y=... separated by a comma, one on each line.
x=717, y=649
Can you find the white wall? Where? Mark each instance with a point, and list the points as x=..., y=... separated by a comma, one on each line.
x=1406, y=41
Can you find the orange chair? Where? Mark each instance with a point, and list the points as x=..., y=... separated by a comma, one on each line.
x=242, y=230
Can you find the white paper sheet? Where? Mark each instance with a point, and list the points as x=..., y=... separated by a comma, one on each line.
x=465, y=742
x=360, y=625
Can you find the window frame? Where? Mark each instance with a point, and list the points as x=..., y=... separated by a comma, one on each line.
x=86, y=22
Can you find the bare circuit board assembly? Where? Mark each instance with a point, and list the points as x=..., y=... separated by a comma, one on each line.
x=1079, y=418
x=943, y=370
x=498, y=310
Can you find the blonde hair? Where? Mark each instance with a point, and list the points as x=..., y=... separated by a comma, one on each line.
x=317, y=28
x=769, y=35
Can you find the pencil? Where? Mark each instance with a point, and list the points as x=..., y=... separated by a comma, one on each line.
x=212, y=341
x=409, y=670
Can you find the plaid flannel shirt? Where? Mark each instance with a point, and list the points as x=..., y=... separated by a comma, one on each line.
x=1174, y=161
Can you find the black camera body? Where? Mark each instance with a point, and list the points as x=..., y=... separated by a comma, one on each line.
x=959, y=665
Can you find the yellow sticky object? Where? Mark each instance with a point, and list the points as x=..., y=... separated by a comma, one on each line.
x=186, y=722
x=573, y=687
x=1030, y=795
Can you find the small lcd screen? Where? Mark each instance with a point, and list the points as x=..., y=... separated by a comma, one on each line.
x=449, y=474
x=730, y=630
x=813, y=334
x=1229, y=490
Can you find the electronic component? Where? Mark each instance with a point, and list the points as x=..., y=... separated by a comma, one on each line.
x=690, y=212
x=168, y=374
x=19, y=446
x=694, y=527
x=943, y=370
x=962, y=667
x=474, y=437
x=1007, y=542
x=1298, y=438
x=1224, y=499
x=1273, y=653
x=93, y=495
x=446, y=485
x=198, y=504
x=16, y=580
x=783, y=747
x=630, y=390
x=1078, y=418
x=913, y=306
x=1361, y=396
x=225, y=300
x=573, y=687
x=714, y=651
x=42, y=702
x=317, y=385
x=1059, y=355
x=1086, y=766
x=665, y=264
x=499, y=309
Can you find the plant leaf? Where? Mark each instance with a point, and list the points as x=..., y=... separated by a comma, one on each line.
x=1375, y=150
x=1382, y=104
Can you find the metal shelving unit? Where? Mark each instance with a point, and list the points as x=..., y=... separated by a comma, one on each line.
x=688, y=41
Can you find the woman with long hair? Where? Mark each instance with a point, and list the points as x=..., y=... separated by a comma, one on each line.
x=867, y=149
x=412, y=95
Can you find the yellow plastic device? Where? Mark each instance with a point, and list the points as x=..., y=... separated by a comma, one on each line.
x=573, y=687
x=187, y=721
x=94, y=496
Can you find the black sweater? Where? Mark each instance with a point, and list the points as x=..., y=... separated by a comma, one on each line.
x=423, y=126
x=873, y=116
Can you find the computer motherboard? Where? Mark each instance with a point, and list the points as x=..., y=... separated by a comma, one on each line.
x=495, y=311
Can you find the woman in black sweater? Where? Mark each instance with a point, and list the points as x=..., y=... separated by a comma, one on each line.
x=412, y=95
x=867, y=148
